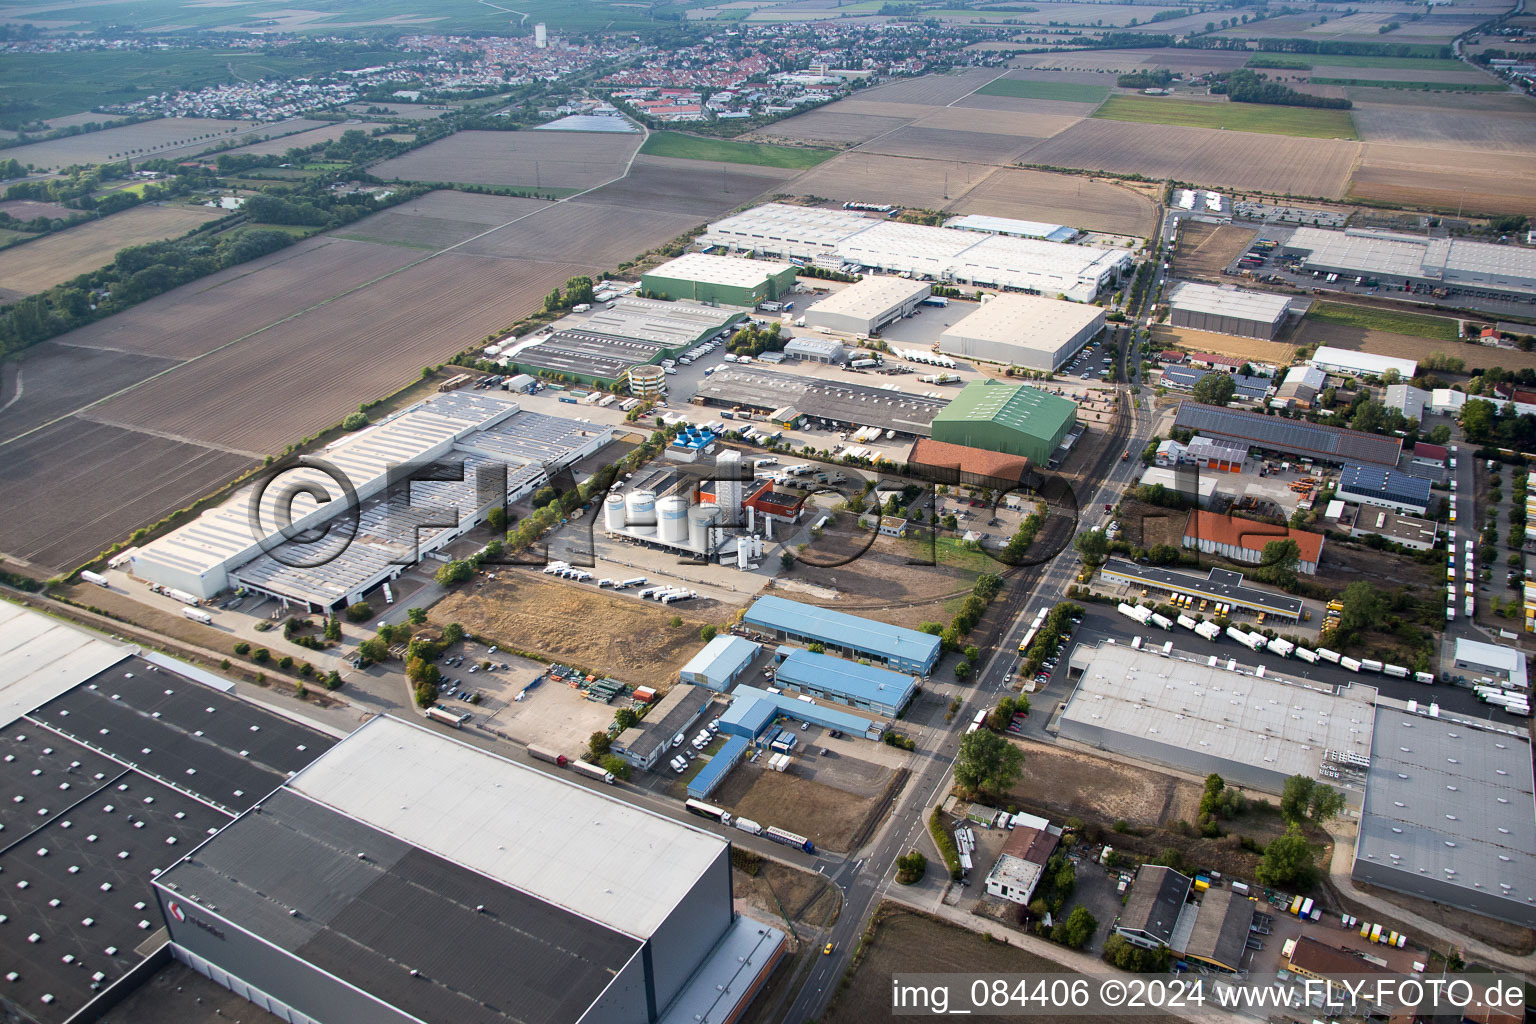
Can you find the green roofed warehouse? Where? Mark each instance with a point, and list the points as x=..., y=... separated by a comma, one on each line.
x=719, y=279
x=1011, y=418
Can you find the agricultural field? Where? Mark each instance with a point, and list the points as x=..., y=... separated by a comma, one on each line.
x=1404, y=346
x=303, y=140
x=1304, y=122
x=833, y=123
x=1313, y=61
x=1257, y=349
x=905, y=181
x=564, y=160
x=1241, y=160
x=677, y=145
x=940, y=144
x=663, y=185
x=1076, y=200
x=1068, y=92
x=1488, y=123
x=596, y=235
x=1010, y=122
x=168, y=136
x=930, y=90
x=623, y=637
x=56, y=258
x=1392, y=321
x=439, y=219
x=1445, y=179
x=405, y=111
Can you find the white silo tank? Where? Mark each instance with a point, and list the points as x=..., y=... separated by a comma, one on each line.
x=613, y=512
x=757, y=543
x=672, y=512
x=701, y=519
x=640, y=508
x=743, y=547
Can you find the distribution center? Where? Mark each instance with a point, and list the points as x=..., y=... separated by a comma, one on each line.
x=869, y=305
x=1012, y=418
x=1024, y=330
x=719, y=279
x=1205, y=307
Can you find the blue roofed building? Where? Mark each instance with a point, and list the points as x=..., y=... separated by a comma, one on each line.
x=720, y=663
x=719, y=766
x=900, y=648
x=847, y=682
x=754, y=710
x=1373, y=485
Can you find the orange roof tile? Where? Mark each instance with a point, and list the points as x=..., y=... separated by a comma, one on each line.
x=1250, y=534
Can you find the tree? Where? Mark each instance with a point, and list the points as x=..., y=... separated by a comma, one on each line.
x=373, y=649
x=1391, y=375
x=1075, y=929
x=787, y=560
x=1441, y=435
x=417, y=616
x=963, y=669
x=1279, y=563
x=333, y=629
x=242, y=648
x=1162, y=554
x=1130, y=957
x=355, y=421
x=988, y=762
x=615, y=765
x=1092, y=545
x=496, y=519
x=1288, y=861
x=455, y=572
x=910, y=868
x=1364, y=608
x=359, y=612
x=1215, y=388
x=598, y=744
x=626, y=718
x=1479, y=419
x=452, y=633
x=1326, y=803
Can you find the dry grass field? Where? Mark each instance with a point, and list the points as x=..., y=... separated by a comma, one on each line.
x=30, y=209
x=828, y=817
x=805, y=895
x=982, y=106
x=828, y=127
x=1450, y=126
x=524, y=159
x=170, y=136
x=626, y=638
x=1311, y=167
x=1257, y=349
x=931, y=90
x=440, y=219
x=905, y=181
x=1384, y=343
x=407, y=111
x=1062, y=199
x=1205, y=250
x=1445, y=179
x=329, y=133
x=53, y=259
x=1104, y=788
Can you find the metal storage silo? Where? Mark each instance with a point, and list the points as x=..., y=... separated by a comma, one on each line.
x=701, y=518
x=673, y=514
x=640, y=508
x=613, y=512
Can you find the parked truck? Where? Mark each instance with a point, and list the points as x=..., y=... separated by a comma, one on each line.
x=748, y=826
x=597, y=771
x=94, y=577
x=1209, y=630
x=545, y=754
x=197, y=616
x=1134, y=611
x=1246, y=639
x=1160, y=621
x=1281, y=647
x=186, y=598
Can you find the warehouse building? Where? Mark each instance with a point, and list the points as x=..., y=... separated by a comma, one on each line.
x=1244, y=540
x=1300, y=388
x=1387, y=488
x=1253, y=730
x=719, y=280
x=1335, y=445
x=720, y=663
x=1218, y=586
x=1408, y=400
x=675, y=326
x=754, y=710
x=1361, y=364
x=866, y=307
x=1207, y=307
x=1012, y=418
x=905, y=649
x=452, y=894
x=1017, y=872
x=1215, y=930
x=1496, y=662
x=846, y=682
x=815, y=349
x=940, y=462
x=1152, y=910
x=642, y=745
x=1024, y=330
x=718, y=767
x=1399, y=260
x=987, y=259
x=1010, y=226
x=1409, y=531
x=1450, y=815
x=585, y=357
x=819, y=404
x=114, y=764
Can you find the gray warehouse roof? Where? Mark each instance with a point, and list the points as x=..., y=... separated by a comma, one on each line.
x=1453, y=802
x=828, y=399
x=671, y=324
x=1028, y=321
x=1334, y=444
x=872, y=297
x=587, y=352
x=1155, y=901
x=1235, y=302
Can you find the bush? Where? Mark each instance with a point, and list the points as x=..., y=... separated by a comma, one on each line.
x=454, y=573
x=615, y=764
x=707, y=633
x=359, y=612
x=910, y=868
x=945, y=842
x=285, y=662
x=242, y=648
x=1075, y=929
x=1130, y=957
x=355, y=421
x=261, y=655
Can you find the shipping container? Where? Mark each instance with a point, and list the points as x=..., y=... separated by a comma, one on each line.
x=1325, y=654
x=545, y=754
x=1370, y=665
x=1350, y=663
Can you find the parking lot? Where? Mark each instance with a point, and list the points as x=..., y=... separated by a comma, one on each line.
x=551, y=714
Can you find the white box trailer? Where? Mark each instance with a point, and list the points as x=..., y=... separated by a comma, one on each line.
x=1350, y=663
x=1397, y=671
x=1324, y=654
x=1281, y=646
x=197, y=616
x=94, y=577
x=1209, y=630
x=1308, y=656
x=1187, y=622
x=1135, y=612
x=1160, y=621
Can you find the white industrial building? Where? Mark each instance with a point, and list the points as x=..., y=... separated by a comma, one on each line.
x=1214, y=715
x=985, y=259
x=1024, y=330
x=379, y=525
x=1207, y=307
x=1447, y=401
x=869, y=305
x=1398, y=259
x=1496, y=662
x=814, y=348
x=1408, y=400
x=1011, y=226
x=1362, y=364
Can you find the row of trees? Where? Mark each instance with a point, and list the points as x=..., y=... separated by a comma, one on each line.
x=1244, y=86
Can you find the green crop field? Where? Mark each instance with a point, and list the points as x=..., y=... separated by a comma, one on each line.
x=1372, y=83
x=1305, y=122
x=692, y=147
x=1413, y=324
x=1071, y=92
x=1308, y=61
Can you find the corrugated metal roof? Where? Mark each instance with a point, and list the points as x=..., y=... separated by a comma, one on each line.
x=1263, y=307
x=1297, y=436
x=851, y=631
x=721, y=658
x=720, y=764
x=845, y=678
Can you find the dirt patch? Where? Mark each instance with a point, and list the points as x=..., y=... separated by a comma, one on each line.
x=831, y=818
x=941, y=143
x=805, y=896
x=881, y=582
x=30, y=209
x=1445, y=179
x=440, y=219
x=628, y=639
x=1205, y=250
x=53, y=259
x=1149, y=525
x=1383, y=343
x=1093, y=787
x=903, y=180
x=1500, y=934
x=1258, y=350
x=1073, y=199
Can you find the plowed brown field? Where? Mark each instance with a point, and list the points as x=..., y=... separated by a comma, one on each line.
x=523, y=159
x=1446, y=179
x=904, y=181
x=1062, y=199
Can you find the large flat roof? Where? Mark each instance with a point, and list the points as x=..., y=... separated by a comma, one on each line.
x=721, y=270
x=1016, y=406
x=1327, y=356
x=834, y=400
x=1386, y=484
x=544, y=835
x=872, y=297
x=399, y=922
x=1454, y=802
x=585, y=351
x=1334, y=444
x=41, y=657
x=1218, y=585
x=1265, y=722
x=1012, y=226
x=1509, y=660
x=1027, y=321
x=671, y=324
x=723, y=656
x=1235, y=302
x=1452, y=260
x=848, y=630
x=849, y=678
